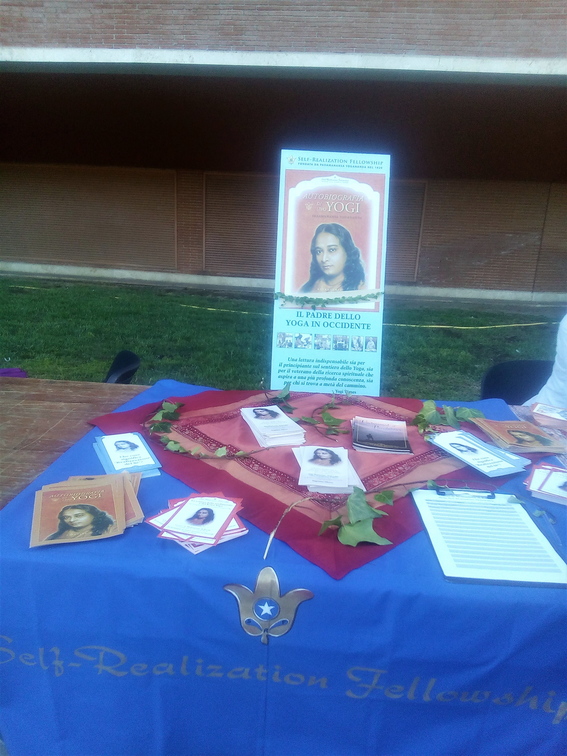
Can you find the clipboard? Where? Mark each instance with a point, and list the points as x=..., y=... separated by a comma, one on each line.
x=486, y=537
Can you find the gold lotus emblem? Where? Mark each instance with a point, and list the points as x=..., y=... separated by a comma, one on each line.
x=264, y=611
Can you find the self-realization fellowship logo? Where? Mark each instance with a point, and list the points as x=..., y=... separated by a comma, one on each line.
x=265, y=612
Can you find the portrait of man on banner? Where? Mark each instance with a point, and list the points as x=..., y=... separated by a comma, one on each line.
x=333, y=235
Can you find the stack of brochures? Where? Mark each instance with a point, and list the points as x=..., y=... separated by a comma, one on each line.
x=483, y=457
x=272, y=427
x=386, y=436
x=548, y=482
x=552, y=417
x=200, y=521
x=520, y=436
x=126, y=451
x=86, y=508
x=326, y=470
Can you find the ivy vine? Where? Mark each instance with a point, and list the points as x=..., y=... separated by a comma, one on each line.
x=430, y=415
x=315, y=302
x=160, y=424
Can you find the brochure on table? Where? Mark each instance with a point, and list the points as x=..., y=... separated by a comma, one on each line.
x=331, y=245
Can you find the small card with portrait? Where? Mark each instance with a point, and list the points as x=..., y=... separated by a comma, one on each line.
x=126, y=451
x=483, y=457
x=199, y=521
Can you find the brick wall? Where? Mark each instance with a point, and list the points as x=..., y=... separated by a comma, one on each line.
x=463, y=234
x=523, y=28
x=189, y=226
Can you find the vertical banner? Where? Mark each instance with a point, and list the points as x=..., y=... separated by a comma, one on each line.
x=331, y=254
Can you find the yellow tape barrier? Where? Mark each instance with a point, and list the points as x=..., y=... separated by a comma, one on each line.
x=394, y=325
x=470, y=328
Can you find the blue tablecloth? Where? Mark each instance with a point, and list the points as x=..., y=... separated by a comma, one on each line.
x=130, y=647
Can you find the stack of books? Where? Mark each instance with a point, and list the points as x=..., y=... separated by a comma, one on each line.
x=326, y=470
x=200, y=521
x=548, y=482
x=272, y=427
x=383, y=436
x=519, y=436
x=85, y=508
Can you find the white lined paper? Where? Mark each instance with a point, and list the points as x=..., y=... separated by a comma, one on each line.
x=481, y=538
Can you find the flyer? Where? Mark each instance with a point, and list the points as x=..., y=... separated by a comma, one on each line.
x=331, y=246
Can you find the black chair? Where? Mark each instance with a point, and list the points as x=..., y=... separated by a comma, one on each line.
x=123, y=367
x=516, y=381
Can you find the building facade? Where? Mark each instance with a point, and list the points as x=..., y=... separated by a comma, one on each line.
x=141, y=140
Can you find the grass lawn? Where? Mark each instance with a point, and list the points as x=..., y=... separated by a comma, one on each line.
x=63, y=330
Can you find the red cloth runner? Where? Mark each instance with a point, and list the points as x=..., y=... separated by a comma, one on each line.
x=267, y=482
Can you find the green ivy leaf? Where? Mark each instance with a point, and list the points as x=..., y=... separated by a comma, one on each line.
x=359, y=509
x=359, y=532
x=284, y=393
x=328, y=419
x=466, y=413
x=385, y=497
x=174, y=446
x=336, y=523
x=310, y=420
x=433, y=486
x=431, y=413
x=171, y=406
x=159, y=427
x=222, y=452
x=450, y=418
x=169, y=415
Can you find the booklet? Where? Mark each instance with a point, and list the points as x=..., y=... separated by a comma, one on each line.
x=126, y=451
x=485, y=537
x=483, y=457
x=199, y=521
x=385, y=436
x=519, y=435
x=272, y=427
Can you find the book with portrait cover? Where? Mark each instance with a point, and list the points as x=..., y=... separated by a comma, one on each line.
x=74, y=511
x=519, y=436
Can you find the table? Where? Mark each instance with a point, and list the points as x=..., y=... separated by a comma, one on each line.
x=41, y=419
x=130, y=647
